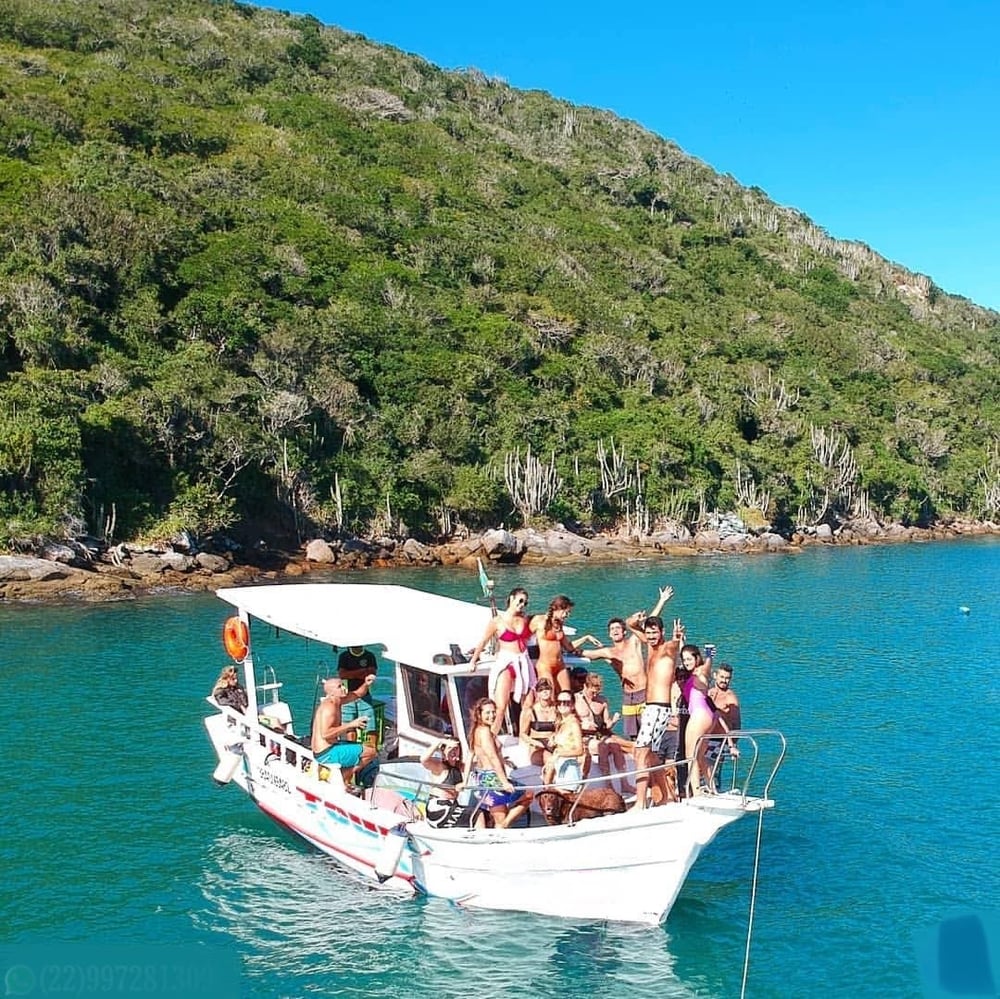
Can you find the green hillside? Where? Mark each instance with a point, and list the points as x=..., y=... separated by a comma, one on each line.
x=261, y=274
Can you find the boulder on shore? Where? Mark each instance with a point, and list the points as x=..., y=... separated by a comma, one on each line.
x=211, y=563
x=21, y=569
x=707, y=539
x=551, y=545
x=772, y=542
x=320, y=551
x=502, y=546
x=414, y=551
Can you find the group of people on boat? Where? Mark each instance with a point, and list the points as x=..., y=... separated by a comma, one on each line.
x=669, y=702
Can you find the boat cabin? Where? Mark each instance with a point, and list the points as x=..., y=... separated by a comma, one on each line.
x=425, y=636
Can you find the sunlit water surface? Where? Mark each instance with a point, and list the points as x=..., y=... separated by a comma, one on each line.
x=885, y=688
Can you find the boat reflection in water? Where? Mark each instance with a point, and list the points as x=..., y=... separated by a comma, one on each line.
x=296, y=917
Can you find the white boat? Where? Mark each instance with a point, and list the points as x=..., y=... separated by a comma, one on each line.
x=628, y=866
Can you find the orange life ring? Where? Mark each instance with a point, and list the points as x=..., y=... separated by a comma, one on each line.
x=236, y=638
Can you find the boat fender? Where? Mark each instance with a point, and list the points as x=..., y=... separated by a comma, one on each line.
x=390, y=853
x=228, y=762
x=236, y=638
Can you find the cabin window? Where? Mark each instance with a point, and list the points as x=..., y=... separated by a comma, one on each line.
x=470, y=690
x=426, y=698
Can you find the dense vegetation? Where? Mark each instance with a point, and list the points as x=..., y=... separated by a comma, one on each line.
x=259, y=273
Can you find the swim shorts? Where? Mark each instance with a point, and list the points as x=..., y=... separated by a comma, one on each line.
x=568, y=775
x=493, y=795
x=341, y=754
x=653, y=730
x=632, y=705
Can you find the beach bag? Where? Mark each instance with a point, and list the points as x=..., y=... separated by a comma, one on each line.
x=448, y=813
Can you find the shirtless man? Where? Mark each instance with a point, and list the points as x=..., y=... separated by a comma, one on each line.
x=625, y=656
x=651, y=742
x=724, y=697
x=328, y=745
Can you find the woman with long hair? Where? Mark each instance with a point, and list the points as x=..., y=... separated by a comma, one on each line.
x=701, y=716
x=513, y=673
x=565, y=764
x=229, y=692
x=553, y=642
x=486, y=771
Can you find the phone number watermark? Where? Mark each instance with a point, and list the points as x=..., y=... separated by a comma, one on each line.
x=134, y=970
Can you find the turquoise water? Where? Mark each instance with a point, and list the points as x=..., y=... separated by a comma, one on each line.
x=886, y=816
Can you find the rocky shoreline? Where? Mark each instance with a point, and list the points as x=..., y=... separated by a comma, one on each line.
x=86, y=570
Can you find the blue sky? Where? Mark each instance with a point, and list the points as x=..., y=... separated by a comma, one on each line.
x=879, y=120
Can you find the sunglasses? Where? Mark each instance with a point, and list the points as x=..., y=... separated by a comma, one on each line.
x=564, y=703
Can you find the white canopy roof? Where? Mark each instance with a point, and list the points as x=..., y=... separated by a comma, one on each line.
x=413, y=626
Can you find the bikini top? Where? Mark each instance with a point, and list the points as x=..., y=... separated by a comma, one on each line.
x=452, y=777
x=537, y=725
x=516, y=636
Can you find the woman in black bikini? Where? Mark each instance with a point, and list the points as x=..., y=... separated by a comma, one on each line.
x=447, y=766
x=538, y=723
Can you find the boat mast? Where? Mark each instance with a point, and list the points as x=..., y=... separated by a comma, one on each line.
x=249, y=674
x=487, y=584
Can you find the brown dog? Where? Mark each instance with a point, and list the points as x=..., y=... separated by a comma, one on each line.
x=670, y=779
x=591, y=803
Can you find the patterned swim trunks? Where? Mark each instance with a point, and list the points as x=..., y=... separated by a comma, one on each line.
x=653, y=730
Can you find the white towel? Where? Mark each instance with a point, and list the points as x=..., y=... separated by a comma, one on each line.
x=524, y=674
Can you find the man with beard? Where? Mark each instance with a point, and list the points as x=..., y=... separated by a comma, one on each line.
x=651, y=744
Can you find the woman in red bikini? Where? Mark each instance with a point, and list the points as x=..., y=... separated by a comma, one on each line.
x=553, y=641
x=512, y=676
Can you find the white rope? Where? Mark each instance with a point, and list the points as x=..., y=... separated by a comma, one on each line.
x=753, y=900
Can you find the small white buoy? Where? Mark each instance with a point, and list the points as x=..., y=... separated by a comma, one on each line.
x=228, y=763
x=964, y=610
x=389, y=855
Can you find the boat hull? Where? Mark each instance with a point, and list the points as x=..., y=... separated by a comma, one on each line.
x=350, y=829
x=628, y=867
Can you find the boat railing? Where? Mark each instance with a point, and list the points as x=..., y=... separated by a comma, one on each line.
x=752, y=774
x=419, y=790
x=745, y=766
x=746, y=781
x=270, y=686
x=280, y=745
x=578, y=787
x=741, y=788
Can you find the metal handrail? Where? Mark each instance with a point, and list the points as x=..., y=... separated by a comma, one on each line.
x=420, y=785
x=752, y=736
x=422, y=788
x=273, y=685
